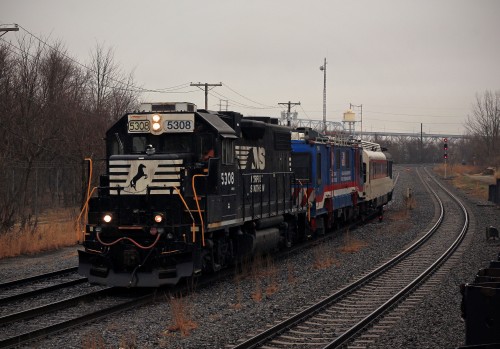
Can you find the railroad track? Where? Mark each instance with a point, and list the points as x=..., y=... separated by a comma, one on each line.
x=344, y=317
x=24, y=326
x=21, y=322
x=45, y=304
x=32, y=286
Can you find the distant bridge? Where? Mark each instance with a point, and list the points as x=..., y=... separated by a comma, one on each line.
x=337, y=128
x=407, y=135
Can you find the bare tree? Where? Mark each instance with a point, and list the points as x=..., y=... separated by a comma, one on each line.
x=53, y=113
x=484, y=125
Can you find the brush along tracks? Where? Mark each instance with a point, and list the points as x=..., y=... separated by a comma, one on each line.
x=53, y=303
x=345, y=315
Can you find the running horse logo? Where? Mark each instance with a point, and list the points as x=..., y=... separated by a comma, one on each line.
x=140, y=173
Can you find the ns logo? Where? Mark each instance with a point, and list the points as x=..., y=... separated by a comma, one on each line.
x=253, y=158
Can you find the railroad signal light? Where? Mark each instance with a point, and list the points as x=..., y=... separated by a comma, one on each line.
x=445, y=147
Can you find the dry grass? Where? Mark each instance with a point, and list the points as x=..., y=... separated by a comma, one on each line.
x=93, y=341
x=257, y=273
x=352, y=245
x=290, y=272
x=399, y=215
x=181, y=317
x=323, y=258
x=257, y=292
x=272, y=277
x=461, y=178
x=410, y=202
x=53, y=230
x=129, y=341
x=96, y=341
x=264, y=274
x=239, y=294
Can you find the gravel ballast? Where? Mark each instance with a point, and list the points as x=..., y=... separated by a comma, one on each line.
x=226, y=311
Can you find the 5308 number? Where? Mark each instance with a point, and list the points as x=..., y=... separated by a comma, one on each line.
x=138, y=126
x=174, y=125
x=227, y=178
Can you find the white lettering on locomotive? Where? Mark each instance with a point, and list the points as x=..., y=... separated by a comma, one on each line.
x=251, y=157
x=227, y=178
x=256, y=185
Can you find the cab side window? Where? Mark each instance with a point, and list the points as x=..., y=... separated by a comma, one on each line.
x=207, y=147
x=227, y=151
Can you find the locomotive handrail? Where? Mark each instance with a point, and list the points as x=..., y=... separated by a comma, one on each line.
x=84, y=209
x=198, y=206
x=85, y=206
x=304, y=189
x=189, y=211
x=264, y=195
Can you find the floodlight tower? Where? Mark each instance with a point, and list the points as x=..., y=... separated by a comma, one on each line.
x=4, y=28
x=323, y=68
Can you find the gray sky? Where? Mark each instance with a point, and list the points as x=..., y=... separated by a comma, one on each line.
x=407, y=62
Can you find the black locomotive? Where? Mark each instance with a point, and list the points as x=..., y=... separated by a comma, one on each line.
x=187, y=191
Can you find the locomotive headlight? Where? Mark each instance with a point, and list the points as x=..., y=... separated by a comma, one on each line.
x=107, y=218
x=156, y=122
x=158, y=218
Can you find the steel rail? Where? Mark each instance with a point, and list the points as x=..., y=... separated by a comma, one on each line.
x=44, y=309
x=18, y=282
x=36, y=292
x=65, y=325
x=279, y=328
x=346, y=336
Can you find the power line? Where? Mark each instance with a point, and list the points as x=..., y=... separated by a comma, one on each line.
x=206, y=85
x=239, y=94
x=241, y=105
x=128, y=87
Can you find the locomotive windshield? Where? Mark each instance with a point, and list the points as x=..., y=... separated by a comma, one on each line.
x=173, y=144
x=137, y=144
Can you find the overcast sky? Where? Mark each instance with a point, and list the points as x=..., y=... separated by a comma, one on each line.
x=406, y=62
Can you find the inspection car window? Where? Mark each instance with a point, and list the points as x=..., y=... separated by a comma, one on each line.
x=301, y=164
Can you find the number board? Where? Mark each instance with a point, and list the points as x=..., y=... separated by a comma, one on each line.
x=178, y=122
x=169, y=123
x=138, y=126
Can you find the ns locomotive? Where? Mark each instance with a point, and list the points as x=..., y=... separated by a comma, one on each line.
x=188, y=191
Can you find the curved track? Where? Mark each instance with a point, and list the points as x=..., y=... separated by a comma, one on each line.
x=343, y=316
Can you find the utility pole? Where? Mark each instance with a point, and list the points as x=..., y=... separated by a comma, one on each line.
x=361, y=115
x=14, y=28
x=421, y=141
x=290, y=105
x=323, y=68
x=206, y=85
